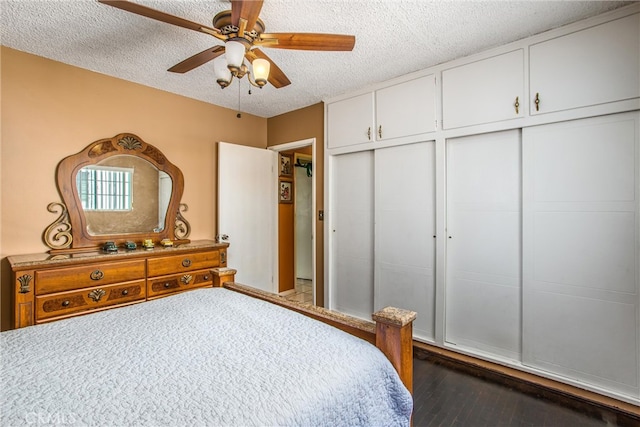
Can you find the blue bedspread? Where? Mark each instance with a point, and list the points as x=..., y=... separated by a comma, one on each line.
x=208, y=357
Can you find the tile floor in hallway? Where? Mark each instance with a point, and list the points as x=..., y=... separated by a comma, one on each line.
x=303, y=292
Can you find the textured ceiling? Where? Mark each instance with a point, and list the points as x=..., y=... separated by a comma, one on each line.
x=393, y=37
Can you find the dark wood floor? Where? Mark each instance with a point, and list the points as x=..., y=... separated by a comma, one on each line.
x=446, y=396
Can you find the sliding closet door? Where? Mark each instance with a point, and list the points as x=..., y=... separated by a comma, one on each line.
x=581, y=299
x=405, y=231
x=483, y=276
x=351, y=234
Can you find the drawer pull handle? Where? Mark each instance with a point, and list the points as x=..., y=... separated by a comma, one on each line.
x=65, y=303
x=517, y=105
x=96, y=275
x=186, y=262
x=97, y=294
x=125, y=292
x=186, y=279
x=369, y=133
x=166, y=285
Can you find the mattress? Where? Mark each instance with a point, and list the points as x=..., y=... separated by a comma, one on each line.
x=208, y=357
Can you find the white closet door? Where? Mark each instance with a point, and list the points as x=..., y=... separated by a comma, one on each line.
x=581, y=295
x=351, y=234
x=405, y=231
x=483, y=276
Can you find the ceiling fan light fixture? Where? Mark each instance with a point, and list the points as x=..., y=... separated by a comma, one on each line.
x=222, y=72
x=234, y=51
x=261, y=69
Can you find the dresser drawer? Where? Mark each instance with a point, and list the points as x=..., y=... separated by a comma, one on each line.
x=158, y=286
x=64, y=303
x=66, y=279
x=181, y=263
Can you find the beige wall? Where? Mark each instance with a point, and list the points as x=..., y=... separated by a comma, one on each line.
x=51, y=110
x=296, y=126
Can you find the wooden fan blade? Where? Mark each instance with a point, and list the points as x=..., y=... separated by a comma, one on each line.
x=197, y=60
x=308, y=41
x=277, y=78
x=161, y=16
x=245, y=9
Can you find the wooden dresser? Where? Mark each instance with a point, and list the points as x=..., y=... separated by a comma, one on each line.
x=51, y=287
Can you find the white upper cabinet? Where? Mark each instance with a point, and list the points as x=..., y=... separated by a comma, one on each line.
x=594, y=66
x=406, y=109
x=485, y=91
x=403, y=109
x=350, y=121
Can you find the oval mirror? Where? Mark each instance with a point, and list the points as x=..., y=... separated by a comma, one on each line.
x=118, y=189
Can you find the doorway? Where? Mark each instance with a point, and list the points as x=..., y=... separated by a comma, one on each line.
x=303, y=226
x=296, y=226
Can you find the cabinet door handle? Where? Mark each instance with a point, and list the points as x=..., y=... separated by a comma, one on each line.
x=517, y=105
x=369, y=133
x=380, y=131
x=96, y=275
x=537, y=101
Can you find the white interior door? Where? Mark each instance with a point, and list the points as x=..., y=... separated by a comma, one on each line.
x=404, y=232
x=247, y=212
x=581, y=240
x=303, y=224
x=483, y=276
x=351, y=234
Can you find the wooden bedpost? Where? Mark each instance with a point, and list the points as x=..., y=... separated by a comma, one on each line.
x=394, y=337
x=221, y=275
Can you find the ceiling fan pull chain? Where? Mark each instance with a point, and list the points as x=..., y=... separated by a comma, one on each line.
x=239, y=115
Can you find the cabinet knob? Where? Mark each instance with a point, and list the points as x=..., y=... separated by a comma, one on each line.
x=537, y=101
x=517, y=105
x=65, y=303
x=186, y=262
x=125, y=292
x=206, y=277
x=166, y=285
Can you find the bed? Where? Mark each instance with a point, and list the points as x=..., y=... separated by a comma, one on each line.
x=211, y=356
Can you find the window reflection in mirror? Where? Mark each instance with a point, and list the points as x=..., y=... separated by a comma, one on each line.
x=103, y=188
x=124, y=194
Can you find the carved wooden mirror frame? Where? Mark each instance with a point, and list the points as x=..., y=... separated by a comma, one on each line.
x=69, y=232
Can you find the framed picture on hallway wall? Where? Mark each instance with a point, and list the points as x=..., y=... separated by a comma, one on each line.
x=286, y=168
x=286, y=191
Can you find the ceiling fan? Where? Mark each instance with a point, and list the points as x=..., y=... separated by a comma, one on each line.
x=242, y=32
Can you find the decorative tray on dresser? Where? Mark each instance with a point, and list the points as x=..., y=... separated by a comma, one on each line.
x=50, y=287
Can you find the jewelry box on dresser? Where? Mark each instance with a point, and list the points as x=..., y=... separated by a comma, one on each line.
x=109, y=249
